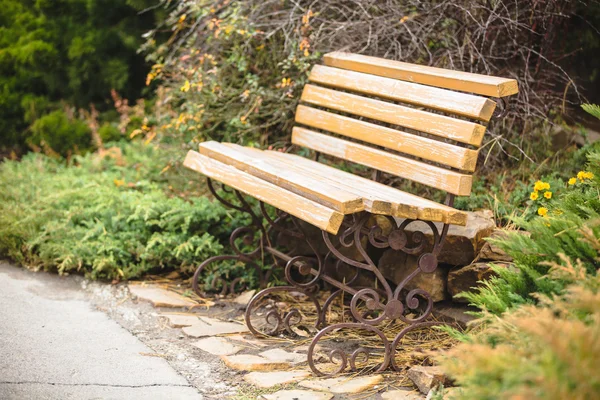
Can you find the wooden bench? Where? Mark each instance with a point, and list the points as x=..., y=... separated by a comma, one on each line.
x=414, y=122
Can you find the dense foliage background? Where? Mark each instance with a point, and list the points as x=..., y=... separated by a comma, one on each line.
x=59, y=56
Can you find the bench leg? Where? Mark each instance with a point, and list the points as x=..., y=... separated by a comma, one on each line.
x=372, y=307
x=248, y=244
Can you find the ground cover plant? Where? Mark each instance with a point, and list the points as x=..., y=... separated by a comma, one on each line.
x=110, y=215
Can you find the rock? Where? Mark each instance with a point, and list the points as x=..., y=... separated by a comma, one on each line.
x=343, y=384
x=248, y=362
x=491, y=252
x=217, y=346
x=427, y=378
x=280, y=355
x=179, y=320
x=451, y=312
x=297, y=395
x=160, y=297
x=464, y=279
x=396, y=265
x=462, y=242
x=244, y=298
x=401, y=395
x=267, y=380
x=213, y=327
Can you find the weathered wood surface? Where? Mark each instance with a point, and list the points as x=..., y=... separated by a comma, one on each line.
x=434, y=124
x=415, y=145
x=439, y=77
x=449, y=101
x=430, y=175
x=317, y=214
x=374, y=198
x=303, y=184
x=406, y=205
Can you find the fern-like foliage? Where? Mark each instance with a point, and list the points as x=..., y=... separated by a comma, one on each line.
x=593, y=109
x=575, y=213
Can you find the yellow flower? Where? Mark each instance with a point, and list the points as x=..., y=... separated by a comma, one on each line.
x=582, y=175
x=572, y=181
x=539, y=185
x=548, y=195
x=534, y=195
x=543, y=211
x=546, y=186
x=119, y=182
x=186, y=86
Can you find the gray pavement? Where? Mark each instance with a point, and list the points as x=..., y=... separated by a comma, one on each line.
x=55, y=345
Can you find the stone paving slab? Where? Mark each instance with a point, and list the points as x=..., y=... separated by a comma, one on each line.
x=217, y=346
x=212, y=327
x=343, y=384
x=160, y=297
x=297, y=395
x=249, y=362
x=244, y=298
x=266, y=380
x=180, y=320
x=283, y=356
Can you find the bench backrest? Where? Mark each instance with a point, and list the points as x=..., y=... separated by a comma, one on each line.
x=423, y=114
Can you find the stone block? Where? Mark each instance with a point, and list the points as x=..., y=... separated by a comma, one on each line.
x=464, y=279
x=462, y=243
x=396, y=265
x=427, y=378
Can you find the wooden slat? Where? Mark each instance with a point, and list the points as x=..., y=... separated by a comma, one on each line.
x=464, y=104
x=438, y=77
x=440, y=178
x=373, y=200
x=314, y=213
x=429, y=149
x=426, y=210
x=300, y=183
x=435, y=124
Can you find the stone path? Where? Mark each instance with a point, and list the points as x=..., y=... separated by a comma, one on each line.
x=266, y=367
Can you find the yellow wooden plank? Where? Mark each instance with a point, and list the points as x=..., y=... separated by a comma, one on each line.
x=464, y=104
x=373, y=200
x=435, y=124
x=439, y=77
x=415, y=145
x=440, y=178
x=303, y=184
x=408, y=205
x=312, y=212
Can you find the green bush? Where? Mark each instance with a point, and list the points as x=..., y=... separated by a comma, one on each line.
x=573, y=216
x=106, y=216
x=61, y=134
x=72, y=51
x=547, y=352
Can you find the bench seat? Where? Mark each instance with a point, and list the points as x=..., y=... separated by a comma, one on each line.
x=301, y=186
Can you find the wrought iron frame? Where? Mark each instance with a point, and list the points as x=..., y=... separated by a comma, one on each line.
x=369, y=306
